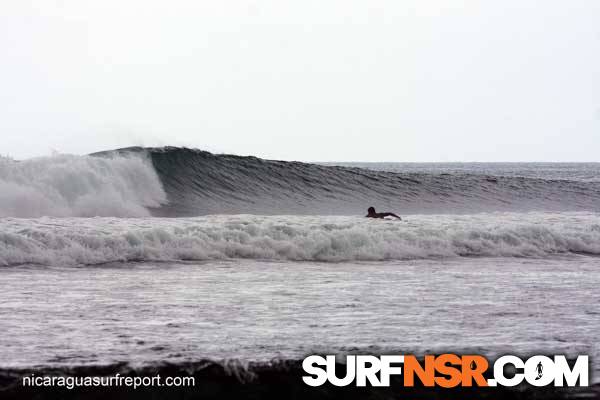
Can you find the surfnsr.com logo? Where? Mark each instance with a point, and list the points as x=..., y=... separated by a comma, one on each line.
x=445, y=370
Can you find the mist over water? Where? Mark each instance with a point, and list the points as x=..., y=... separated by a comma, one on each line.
x=79, y=186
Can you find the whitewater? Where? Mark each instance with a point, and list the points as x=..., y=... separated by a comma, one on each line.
x=145, y=255
x=74, y=241
x=79, y=186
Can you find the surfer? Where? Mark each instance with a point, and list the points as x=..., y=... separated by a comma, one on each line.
x=539, y=369
x=372, y=214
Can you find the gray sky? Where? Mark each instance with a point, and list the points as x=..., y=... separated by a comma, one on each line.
x=412, y=80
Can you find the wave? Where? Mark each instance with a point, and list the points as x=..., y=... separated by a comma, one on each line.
x=181, y=182
x=73, y=241
x=79, y=186
x=200, y=183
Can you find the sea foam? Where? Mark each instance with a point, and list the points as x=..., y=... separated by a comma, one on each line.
x=79, y=186
x=73, y=241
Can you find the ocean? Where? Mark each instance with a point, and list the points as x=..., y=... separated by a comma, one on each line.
x=144, y=256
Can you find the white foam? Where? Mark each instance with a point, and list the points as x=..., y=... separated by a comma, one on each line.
x=79, y=186
x=71, y=241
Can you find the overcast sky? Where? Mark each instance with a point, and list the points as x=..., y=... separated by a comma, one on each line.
x=411, y=80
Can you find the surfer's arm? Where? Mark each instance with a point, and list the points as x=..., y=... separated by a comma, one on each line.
x=391, y=215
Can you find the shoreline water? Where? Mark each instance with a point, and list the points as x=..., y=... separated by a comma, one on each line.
x=143, y=313
x=277, y=379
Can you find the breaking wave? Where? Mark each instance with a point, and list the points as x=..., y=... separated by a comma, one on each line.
x=180, y=182
x=79, y=186
x=72, y=241
x=201, y=183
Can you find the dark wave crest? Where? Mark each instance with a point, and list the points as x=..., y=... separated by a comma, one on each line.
x=198, y=182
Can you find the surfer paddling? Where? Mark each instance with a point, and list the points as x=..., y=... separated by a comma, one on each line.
x=372, y=214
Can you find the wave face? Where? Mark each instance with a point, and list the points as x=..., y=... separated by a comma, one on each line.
x=200, y=183
x=72, y=241
x=79, y=186
x=180, y=182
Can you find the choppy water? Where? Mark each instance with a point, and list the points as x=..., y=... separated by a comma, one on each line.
x=250, y=310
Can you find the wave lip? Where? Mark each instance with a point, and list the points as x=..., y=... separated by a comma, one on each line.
x=51, y=241
x=79, y=186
